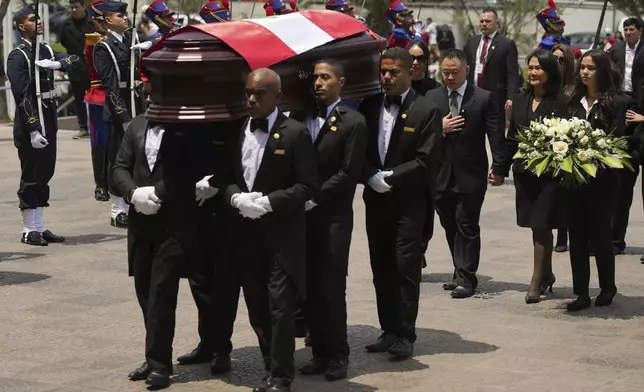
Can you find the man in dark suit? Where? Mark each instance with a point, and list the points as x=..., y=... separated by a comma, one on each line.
x=273, y=173
x=629, y=58
x=469, y=114
x=494, y=63
x=340, y=137
x=404, y=150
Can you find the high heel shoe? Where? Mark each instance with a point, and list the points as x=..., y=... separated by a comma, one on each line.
x=548, y=283
x=605, y=297
x=579, y=304
x=531, y=299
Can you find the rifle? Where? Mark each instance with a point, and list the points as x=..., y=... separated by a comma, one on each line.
x=601, y=22
x=35, y=56
x=133, y=58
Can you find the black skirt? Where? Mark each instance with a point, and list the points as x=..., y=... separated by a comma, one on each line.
x=539, y=201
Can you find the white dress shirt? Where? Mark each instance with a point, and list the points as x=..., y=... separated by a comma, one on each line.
x=253, y=149
x=117, y=35
x=461, y=94
x=152, y=144
x=584, y=103
x=478, y=65
x=315, y=124
x=387, y=122
x=628, y=67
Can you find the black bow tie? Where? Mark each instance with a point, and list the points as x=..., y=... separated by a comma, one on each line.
x=259, y=123
x=393, y=99
x=322, y=110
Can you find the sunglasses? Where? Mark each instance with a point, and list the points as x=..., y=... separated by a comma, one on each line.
x=420, y=58
x=560, y=59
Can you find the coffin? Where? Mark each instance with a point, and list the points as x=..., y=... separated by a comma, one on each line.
x=199, y=73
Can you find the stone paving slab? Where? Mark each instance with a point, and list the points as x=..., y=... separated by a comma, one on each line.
x=70, y=321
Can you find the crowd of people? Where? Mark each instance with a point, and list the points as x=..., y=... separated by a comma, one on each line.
x=265, y=203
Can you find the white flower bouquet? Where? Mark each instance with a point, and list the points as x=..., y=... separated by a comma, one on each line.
x=570, y=150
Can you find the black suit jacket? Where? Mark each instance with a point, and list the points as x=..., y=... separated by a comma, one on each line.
x=618, y=55
x=415, y=148
x=465, y=151
x=341, y=146
x=502, y=76
x=288, y=175
x=554, y=106
x=73, y=40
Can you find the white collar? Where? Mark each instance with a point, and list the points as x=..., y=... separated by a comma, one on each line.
x=402, y=96
x=271, y=119
x=489, y=35
x=460, y=90
x=635, y=47
x=26, y=41
x=117, y=35
x=330, y=108
x=584, y=103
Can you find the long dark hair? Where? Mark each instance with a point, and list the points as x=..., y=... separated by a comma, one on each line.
x=550, y=66
x=606, y=80
x=568, y=74
x=426, y=52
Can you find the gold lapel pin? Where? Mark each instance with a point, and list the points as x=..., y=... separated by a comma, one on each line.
x=404, y=116
x=276, y=136
x=332, y=119
x=333, y=129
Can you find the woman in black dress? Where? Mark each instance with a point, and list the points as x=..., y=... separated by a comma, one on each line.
x=538, y=199
x=420, y=80
x=598, y=100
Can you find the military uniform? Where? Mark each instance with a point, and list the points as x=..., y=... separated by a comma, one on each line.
x=35, y=137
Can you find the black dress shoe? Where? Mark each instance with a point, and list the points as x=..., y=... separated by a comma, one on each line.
x=140, y=373
x=384, y=343
x=308, y=340
x=462, y=292
x=33, y=238
x=605, y=297
x=279, y=386
x=264, y=385
x=198, y=355
x=642, y=259
x=561, y=248
x=314, y=366
x=337, y=369
x=403, y=348
x=220, y=364
x=100, y=194
x=449, y=286
x=579, y=304
x=120, y=221
x=158, y=378
x=618, y=251
x=424, y=261
x=51, y=237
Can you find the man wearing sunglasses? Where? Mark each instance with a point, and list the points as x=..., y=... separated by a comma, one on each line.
x=35, y=129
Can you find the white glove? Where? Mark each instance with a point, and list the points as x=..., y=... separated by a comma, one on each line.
x=38, y=140
x=264, y=203
x=145, y=200
x=245, y=203
x=309, y=205
x=49, y=64
x=204, y=191
x=145, y=45
x=377, y=181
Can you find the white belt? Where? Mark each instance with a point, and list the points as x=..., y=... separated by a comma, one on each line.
x=123, y=84
x=48, y=94
x=137, y=83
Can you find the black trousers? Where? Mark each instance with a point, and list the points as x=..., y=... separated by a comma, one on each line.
x=328, y=241
x=626, y=180
x=459, y=214
x=428, y=230
x=115, y=133
x=590, y=211
x=395, y=223
x=37, y=167
x=79, y=88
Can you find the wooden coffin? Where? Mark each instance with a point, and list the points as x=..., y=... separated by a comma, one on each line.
x=196, y=77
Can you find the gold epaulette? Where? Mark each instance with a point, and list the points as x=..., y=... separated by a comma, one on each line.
x=91, y=39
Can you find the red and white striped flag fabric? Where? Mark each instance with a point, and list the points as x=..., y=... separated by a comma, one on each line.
x=267, y=41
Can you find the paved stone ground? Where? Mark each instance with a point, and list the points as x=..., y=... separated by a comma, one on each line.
x=70, y=321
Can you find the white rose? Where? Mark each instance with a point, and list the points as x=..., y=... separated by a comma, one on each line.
x=584, y=140
x=576, y=122
x=601, y=143
x=551, y=132
x=560, y=147
x=591, y=153
x=596, y=133
x=583, y=155
x=600, y=132
x=581, y=134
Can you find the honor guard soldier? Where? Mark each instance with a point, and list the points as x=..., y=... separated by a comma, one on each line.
x=403, y=20
x=278, y=7
x=158, y=13
x=112, y=63
x=95, y=100
x=214, y=12
x=35, y=125
x=553, y=25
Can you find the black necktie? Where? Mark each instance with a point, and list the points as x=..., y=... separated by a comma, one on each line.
x=393, y=99
x=322, y=109
x=259, y=123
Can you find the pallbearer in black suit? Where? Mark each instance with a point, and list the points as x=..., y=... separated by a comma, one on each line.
x=340, y=137
x=469, y=114
x=404, y=150
x=273, y=173
x=35, y=128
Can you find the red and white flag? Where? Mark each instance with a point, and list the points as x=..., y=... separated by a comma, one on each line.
x=267, y=41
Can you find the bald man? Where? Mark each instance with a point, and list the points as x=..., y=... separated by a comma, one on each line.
x=271, y=174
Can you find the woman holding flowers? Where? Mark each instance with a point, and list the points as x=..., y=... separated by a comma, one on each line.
x=538, y=198
x=597, y=100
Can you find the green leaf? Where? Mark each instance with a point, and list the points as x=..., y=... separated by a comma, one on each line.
x=627, y=164
x=610, y=161
x=589, y=168
x=518, y=155
x=566, y=164
x=542, y=166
